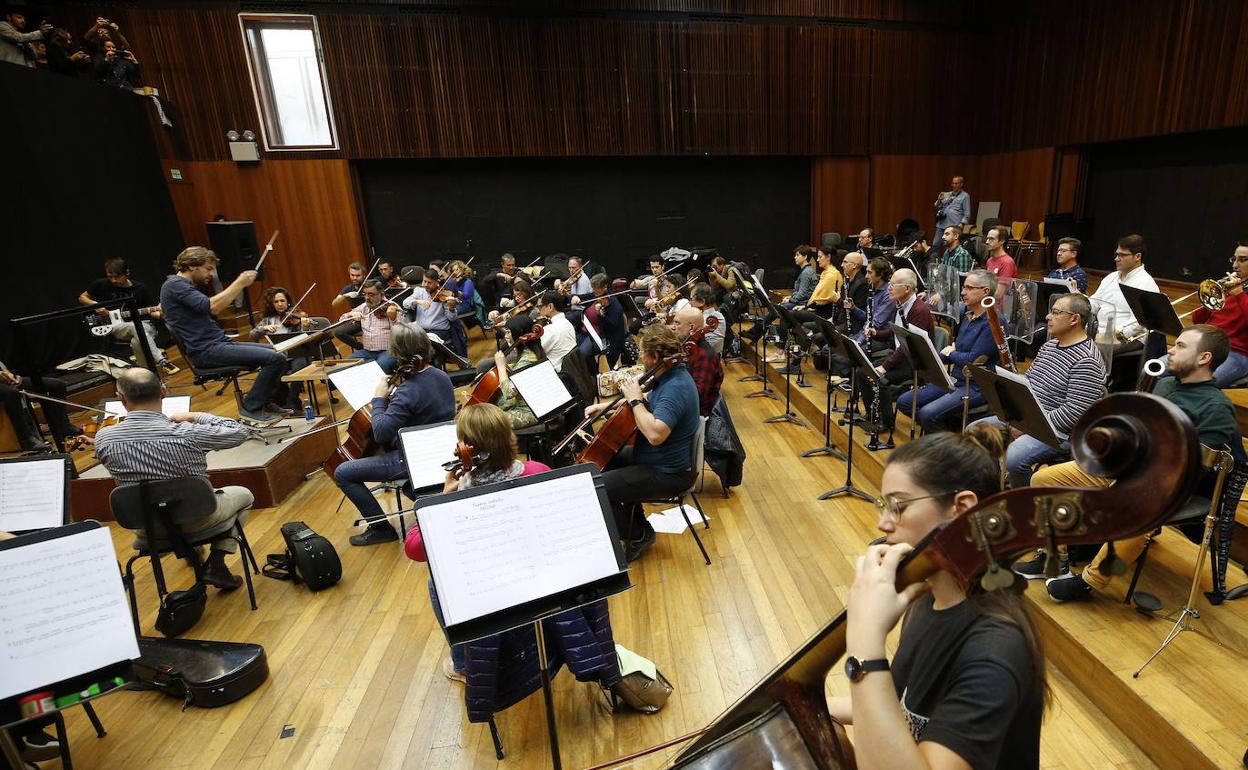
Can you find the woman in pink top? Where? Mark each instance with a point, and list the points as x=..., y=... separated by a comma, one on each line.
x=486, y=429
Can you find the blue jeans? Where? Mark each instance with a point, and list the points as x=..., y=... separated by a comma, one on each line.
x=382, y=357
x=253, y=355
x=351, y=475
x=458, y=651
x=1023, y=453
x=935, y=405
x=1232, y=370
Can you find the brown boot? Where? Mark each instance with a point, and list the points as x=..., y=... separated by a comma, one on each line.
x=217, y=575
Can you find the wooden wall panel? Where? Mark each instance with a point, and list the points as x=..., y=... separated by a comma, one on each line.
x=839, y=196
x=312, y=202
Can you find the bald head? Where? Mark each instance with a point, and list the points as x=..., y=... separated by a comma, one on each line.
x=140, y=388
x=687, y=319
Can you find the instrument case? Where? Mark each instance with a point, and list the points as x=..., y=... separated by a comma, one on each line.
x=202, y=673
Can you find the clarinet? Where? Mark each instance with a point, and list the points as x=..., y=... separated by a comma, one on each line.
x=875, y=398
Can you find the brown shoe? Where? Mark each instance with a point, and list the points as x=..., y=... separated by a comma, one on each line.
x=217, y=575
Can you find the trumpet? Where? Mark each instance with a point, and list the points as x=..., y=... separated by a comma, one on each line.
x=1212, y=293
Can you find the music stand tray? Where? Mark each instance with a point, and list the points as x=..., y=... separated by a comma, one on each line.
x=1152, y=310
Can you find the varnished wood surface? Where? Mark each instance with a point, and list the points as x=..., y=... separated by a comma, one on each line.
x=356, y=669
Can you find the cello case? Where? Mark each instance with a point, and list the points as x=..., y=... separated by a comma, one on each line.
x=201, y=673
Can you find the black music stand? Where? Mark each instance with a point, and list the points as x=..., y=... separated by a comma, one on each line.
x=925, y=361
x=847, y=347
x=862, y=369
x=760, y=362
x=1152, y=310
x=1014, y=404
x=828, y=330
x=795, y=330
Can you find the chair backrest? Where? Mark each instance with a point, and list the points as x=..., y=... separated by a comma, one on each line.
x=186, y=499
x=698, y=455
x=830, y=241
x=940, y=337
x=1040, y=230
x=1019, y=229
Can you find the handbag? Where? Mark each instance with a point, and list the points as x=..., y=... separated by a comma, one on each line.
x=310, y=558
x=181, y=610
x=637, y=688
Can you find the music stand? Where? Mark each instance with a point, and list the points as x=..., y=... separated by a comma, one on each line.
x=848, y=348
x=926, y=364
x=1152, y=310
x=794, y=328
x=487, y=584
x=863, y=368
x=761, y=298
x=1014, y=404
x=828, y=330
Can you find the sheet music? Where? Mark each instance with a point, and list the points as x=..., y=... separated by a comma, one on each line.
x=291, y=342
x=541, y=388
x=358, y=383
x=169, y=405
x=425, y=449
x=593, y=333
x=32, y=494
x=494, y=551
x=1006, y=374
x=63, y=611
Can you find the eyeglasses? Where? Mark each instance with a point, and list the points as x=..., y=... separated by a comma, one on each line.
x=1059, y=311
x=893, y=508
x=1121, y=255
x=973, y=286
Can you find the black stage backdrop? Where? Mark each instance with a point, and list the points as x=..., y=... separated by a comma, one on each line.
x=82, y=183
x=617, y=211
x=1187, y=195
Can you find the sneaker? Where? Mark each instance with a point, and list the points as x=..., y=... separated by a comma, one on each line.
x=1068, y=587
x=449, y=670
x=37, y=747
x=257, y=417
x=639, y=545
x=168, y=367
x=278, y=409
x=1033, y=569
x=376, y=533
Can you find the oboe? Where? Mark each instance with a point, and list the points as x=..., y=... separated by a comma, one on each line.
x=875, y=397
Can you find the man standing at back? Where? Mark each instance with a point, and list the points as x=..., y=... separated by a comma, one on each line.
x=953, y=208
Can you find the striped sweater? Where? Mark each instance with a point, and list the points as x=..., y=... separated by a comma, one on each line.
x=1066, y=381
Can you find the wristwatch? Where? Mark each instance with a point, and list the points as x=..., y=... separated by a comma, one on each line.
x=634, y=402
x=856, y=669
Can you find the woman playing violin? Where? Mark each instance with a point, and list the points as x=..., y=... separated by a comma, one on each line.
x=422, y=395
x=966, y=688
x=460, y=281
x=278, y=319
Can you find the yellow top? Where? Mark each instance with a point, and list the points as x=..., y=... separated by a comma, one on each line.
x=829, y=287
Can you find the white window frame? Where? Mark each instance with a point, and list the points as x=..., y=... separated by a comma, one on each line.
x=243, y=18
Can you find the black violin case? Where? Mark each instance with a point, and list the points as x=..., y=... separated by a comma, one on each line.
x=202, y=673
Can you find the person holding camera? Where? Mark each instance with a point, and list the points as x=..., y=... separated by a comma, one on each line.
x=116, y=67
x=63, y=58
x=103, y=31
x=15, y=44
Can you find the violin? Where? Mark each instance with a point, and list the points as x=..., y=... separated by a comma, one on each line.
x=487, y=386
x=360, y=442
x=503, y=317
x=465, y=458
x=102, y=419
x=566, y=287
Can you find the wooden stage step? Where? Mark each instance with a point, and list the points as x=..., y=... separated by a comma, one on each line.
x=1189, y=708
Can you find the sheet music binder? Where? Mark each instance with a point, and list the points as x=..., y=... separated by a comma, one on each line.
x=53, y=520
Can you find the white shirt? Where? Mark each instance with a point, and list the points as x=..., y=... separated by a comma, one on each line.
x=715, y=338
x=558, y=339
x=1108, y=301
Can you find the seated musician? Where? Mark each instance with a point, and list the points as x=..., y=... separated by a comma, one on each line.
x=377, y=319
x=821, y=304
x=966, y=687
x=703, y=364
x=433, y=313
x=868, y=321
x=577, y=286
x=423, y=396
x=149, y=446
x=350, y=297
x=559, y=338
x=1108, y=301
x=1195, y=355
x=1067, y=378
x=1068, y=268
x=509, y=398
x=278, y=319
x=115, y=285
x=974, y=342
x=648, y=281
x=866, y=244
x=190, y=314
x=1232, y=319
x=521, y=293
x=388, y=274
x=702, y=297
x=954, y=254
x=611, y=325
x=999, y=263
x=803, y=286
x=897, y=369
x=498, y=283
x=11, y=385
x=853, y=267
x=667, y=423
x=721, y=279
x=485, y=429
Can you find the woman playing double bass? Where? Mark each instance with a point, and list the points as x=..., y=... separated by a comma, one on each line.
x=966, y=688
x=417, y=394
x=667, y=423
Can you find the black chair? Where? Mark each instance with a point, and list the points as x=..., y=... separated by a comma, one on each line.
x=202, y=375
x=172, y=503
x=696, y=461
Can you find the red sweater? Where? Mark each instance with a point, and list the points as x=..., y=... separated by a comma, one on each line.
x=1232, y=319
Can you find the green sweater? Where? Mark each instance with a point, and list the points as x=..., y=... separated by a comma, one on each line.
x=1211, y=411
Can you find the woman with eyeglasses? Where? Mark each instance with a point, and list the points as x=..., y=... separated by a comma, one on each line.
x=966, y=686
x=974, y=342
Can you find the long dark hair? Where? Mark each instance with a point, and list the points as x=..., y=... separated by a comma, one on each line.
x=520, y=325
x=974, y=460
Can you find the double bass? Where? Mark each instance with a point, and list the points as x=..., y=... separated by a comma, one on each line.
x=1143, y=442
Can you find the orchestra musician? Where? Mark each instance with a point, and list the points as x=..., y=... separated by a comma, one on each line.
x=999, y=263
x=1193, y=358
x=1067, y=378
x=423, y=396
x=509, y=399
x=460, y=282
x=821, y=303
x=953, y=208
x=189, y=313
x=388, y=274
x=866, y=323
x=576, y=285
x=804, y=258
x=974, y=341
x=350, y=297
x=611, y=325
x=1107, y=300
x=667, y=423
x=115, y=285
x=500, y=282
x=966, y=687
x=1068, y=268
x=897, y=369
x=11, y=385
x=954, y=254
x=1232, y=319
x=703, y=363
x=856, y=286
x=866, y=241
x=377, y=319
x=702, y=297
x=559, y=337
x=648, y=281
x=432, y=308
x=521, y=293
x=278, y=319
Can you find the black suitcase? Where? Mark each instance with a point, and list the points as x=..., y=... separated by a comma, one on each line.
x=202, y=673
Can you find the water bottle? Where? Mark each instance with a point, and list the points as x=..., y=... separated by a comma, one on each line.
x=307, y=413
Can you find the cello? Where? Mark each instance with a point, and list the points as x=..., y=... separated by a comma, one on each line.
x=359, y=442
x=1143, y=442
x=486, y=388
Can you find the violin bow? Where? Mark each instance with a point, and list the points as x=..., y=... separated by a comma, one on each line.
x=295, y=306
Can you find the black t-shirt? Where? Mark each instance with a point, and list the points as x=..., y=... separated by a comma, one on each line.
x=101, y=290
x=965, y=681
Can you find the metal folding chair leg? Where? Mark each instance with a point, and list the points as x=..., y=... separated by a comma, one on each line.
x=694, y=531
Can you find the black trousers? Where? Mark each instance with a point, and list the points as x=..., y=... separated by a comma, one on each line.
x=350, y=333
x=628, y=485
x=23, y=425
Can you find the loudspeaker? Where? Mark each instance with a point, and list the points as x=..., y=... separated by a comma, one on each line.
x=236, y=247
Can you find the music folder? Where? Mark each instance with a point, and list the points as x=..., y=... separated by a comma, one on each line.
x=540, y=387
x=425, y=449
x=1152, y=310
x=923, y=356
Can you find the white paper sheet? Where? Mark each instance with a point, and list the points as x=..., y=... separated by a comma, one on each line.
x=170, y=406
x=425, y=449
x=541, y=388
x=592, y=332
x=32, y=495
x=670, y=522
x=495, y=551
x=291, y=342
x=63, y=611
x=358, y=383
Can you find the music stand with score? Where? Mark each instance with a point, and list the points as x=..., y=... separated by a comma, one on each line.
x=1014, y=403
x=925, y=361
x=1153, y=311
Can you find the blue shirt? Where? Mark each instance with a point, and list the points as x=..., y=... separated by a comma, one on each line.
x=974, y=340
x=674, y=401
x=187, y=311
x=1075, y=274
x=422, y=399
x=957, y=211
x=883, y=308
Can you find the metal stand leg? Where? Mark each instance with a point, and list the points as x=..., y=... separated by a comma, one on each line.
x=551, y=729
x=788, y=415
x=848, y=487
x=827, y=448
x=498, y=743
x=761, y=357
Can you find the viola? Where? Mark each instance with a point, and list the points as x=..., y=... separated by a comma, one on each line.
x=566, y=288
x=465, y=458
x=360, y=441
x=488, y=385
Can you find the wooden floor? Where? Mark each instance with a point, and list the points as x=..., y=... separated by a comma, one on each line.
x=356, y=669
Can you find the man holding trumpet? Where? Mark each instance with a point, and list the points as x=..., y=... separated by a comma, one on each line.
x=1231, y=318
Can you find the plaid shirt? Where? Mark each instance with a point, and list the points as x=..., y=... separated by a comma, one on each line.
x=376, y=331
x=708, y=374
